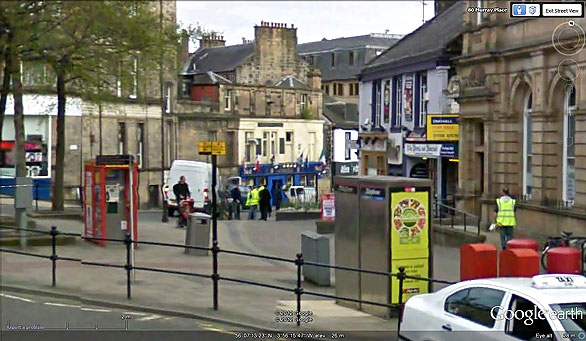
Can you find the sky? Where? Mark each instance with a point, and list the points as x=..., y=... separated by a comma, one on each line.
x=315, y=20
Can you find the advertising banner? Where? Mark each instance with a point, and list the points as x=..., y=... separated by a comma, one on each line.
x=418, y=267
x=410, y=225
x=442, y=128
x=328, y=207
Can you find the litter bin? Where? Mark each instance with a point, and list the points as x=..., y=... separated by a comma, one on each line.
x=197, y=233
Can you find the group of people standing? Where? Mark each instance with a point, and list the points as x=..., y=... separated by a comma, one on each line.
x=259, y=198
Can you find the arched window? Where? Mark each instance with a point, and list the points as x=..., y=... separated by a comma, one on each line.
x=527, y=148
x=569, y=155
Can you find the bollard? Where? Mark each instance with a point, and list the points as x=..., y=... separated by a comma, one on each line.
x=299, y=289
x=215, y=276
x=128, y=265
x=401, y=277
x=54, y=254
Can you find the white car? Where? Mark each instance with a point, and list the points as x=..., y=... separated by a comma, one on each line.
x=545, y=307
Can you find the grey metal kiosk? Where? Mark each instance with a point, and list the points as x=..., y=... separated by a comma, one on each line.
x=197, y=233
x=382, y=223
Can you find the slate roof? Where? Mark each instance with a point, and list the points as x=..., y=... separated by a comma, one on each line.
x=209, y=77
x=218, y=59
x=363, y=48
x=427, y=42
x=348, y=43
x=291, y=82
x=341, y=114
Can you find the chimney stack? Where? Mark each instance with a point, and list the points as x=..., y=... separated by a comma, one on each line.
x=184, y=54
x=212, y=40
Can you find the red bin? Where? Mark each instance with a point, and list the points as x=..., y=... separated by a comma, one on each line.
x=478, y=261
x=518, y=263
x=563, y=260
x=522, y=244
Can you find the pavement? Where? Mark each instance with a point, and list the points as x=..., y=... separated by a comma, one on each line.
x=240, y=305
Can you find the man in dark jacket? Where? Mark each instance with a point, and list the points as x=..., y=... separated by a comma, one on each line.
x=236, y=197
x=181, y=191
x=278, y=196
x=264, y=202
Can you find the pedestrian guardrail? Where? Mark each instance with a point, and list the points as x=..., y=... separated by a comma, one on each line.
x=299, y=262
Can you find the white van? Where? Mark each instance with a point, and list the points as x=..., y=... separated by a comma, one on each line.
x=198, y=176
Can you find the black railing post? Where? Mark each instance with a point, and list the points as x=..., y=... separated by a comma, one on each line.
x=299, y=289
x=478, y=219
x=401, y=278
x=36, y=197
x=453, y=214
x=128, y=265
x=464, y=222
x=215, y=276
x=54, y=254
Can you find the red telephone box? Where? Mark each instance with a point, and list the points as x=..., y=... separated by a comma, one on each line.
x=110, y=199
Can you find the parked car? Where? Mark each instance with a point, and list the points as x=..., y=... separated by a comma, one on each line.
x=547, y=307
x=301, y=194
x=198, y=176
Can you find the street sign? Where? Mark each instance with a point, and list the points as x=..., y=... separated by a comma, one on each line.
x=212, y=148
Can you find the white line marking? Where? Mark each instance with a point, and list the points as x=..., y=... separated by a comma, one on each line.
x=134, y=313
x=17, y=298
x=98, y=310
x=63, y=305
x=148, y=318
x=218, y=330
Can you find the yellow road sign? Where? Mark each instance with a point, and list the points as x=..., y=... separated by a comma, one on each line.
x=212, y=148
x=219, y=148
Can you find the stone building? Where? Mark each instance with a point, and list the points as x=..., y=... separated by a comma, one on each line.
x=260, y=97
x=126, y=121
x=523, y=119
x=340, y=60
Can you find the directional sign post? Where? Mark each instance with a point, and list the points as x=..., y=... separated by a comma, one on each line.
x=214, y=148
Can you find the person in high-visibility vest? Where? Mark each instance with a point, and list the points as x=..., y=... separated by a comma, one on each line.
x=252, y=203
x=505, y=217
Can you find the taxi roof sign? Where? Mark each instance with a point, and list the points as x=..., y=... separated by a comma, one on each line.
x=559, y=281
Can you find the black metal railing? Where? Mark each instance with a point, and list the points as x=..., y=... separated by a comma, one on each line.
x=299, y=262
x=454, y=217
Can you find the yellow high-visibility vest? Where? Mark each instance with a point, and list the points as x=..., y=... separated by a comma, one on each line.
x=506, y=214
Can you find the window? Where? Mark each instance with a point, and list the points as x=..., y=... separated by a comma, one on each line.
x=423, y=100
x=121, y=138
x=335, y=88
x=327, y=89
x=356, y=86
x=281, y=146
x=289, y=136
x=185, y=89
x=134, y=74
x=340, y=89
x=168, y=97
x=252, y=99
x=265, y=137
x=522, y=328
x=399, y=105
x=303, y=102
x=351, y=90
x=387, y=101
x=527, y=149
x=354, y=89
x=333, y=59
x=273, y=141
x=347, y=142
x=140, y=144
x=351, y=58
x=569, y=152
x=169, y=143
x=475, y=304
x=250, y=145
x=227, y=99
x=212, y=135
x=377, y=113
